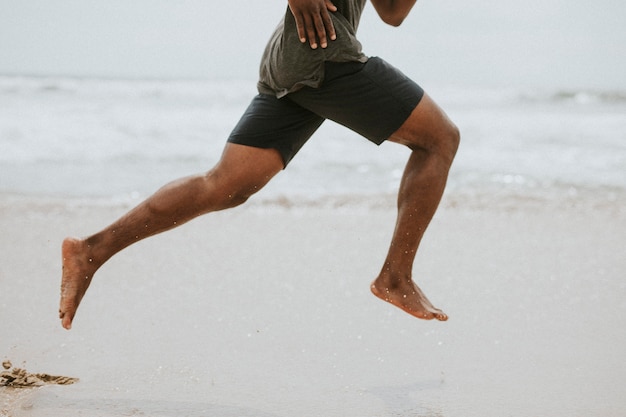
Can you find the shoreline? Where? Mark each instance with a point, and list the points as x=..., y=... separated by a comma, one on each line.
x=491, y=196
x=265, y=310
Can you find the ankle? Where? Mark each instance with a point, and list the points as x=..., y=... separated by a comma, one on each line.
x=391, y=281
x=83, y=251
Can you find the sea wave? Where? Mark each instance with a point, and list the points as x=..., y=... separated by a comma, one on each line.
x=110, y=133
x=580, y=97
x=233, y=89
x=189, y=90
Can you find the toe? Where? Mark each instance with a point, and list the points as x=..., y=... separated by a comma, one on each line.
x=441, y=316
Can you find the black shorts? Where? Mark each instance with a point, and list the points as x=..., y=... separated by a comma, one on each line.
x=373, y=99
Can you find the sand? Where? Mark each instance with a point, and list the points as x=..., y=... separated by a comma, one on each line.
x=265, y=311
x=20, y=378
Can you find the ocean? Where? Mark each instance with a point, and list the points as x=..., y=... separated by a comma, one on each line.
x=112, y=139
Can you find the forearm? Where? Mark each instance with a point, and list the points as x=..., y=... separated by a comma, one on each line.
x=393, y=12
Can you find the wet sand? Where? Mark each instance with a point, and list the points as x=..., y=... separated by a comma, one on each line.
x=265, y=311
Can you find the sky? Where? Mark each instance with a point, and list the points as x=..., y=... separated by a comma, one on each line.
x=548, y=43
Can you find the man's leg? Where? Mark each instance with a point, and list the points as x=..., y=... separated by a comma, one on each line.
x=242, y=171
x=433, y=140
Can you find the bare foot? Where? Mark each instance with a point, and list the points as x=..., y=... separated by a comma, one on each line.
x=409, y=298
x=78, y=270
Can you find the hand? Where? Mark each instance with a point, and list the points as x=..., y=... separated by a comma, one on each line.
x=313, y=20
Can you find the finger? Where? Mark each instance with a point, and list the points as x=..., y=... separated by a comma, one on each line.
x=328, y=24
x=320, y=28
x=300, y=27
x=311, y=28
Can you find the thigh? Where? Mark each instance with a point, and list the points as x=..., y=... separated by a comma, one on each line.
x=244, y=170
x=374, y=98
x=272, y=123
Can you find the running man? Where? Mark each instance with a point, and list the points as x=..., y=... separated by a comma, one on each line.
x=313, y=69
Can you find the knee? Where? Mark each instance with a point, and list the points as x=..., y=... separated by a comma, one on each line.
x=452, y=140
x=447, y=141
x=233, y=199
x=442, y=142
x=224, y=193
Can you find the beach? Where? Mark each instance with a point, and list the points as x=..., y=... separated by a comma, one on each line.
x=265, y=310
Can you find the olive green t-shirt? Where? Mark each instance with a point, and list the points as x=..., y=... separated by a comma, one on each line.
x=288, y=65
